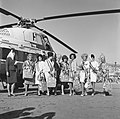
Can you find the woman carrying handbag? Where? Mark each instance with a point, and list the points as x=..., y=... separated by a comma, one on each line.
x=28, y=72
x=39, y=74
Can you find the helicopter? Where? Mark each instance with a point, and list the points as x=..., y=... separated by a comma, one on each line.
x=24, y=39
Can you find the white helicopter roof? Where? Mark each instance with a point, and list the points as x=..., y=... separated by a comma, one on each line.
x=21, y=39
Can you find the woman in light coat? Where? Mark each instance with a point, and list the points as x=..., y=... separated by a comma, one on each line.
x=39, y=75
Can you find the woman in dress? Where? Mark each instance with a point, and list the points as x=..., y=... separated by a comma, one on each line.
x=49, y=71
x=11, y=72
x=28, y=72
x=39, y=75
x=104, y=72
x=64, y=76
x=72, y=71
x=84, y=72
x=57, y=65
x=93, y=72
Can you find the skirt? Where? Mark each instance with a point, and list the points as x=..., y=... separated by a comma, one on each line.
x=51, y=81
x=93, y=77
x=12, y=78
x=82, y=76
x=29, y=81
x=64, y=77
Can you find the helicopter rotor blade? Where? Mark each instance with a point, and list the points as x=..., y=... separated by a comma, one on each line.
x=80, y=14
x=55, y=38
x=8, y=25
x=9, y=13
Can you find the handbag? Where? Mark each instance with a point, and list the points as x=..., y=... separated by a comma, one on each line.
x=88, y=85
x=41, y=76
x=27, y=74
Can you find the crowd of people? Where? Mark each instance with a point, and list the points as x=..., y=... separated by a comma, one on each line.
x=49, y=71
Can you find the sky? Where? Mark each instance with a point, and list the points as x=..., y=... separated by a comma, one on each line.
x=89, y=34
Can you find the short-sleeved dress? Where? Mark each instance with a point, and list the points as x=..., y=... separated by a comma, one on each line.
x=93, y=74
x=103, y=68
x=64, y=75
x=12, y=69
x=105, y=75
x=72, y=70
x=84, y=72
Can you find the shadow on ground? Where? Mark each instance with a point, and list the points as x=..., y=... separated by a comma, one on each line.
x=16, y=113
x=48, y=115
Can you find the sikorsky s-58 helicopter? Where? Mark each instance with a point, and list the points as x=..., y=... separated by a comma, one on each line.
x=24, y=39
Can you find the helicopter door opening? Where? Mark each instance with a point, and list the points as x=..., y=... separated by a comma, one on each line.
x=5, y=52
x=3, y=55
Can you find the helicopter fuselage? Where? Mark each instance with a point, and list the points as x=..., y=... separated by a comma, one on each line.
x=24, y=41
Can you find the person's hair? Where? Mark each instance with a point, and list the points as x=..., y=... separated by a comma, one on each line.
x=29, y=55
x=73, y=55
x=54, y=59
x=102, y=58
x=13, y=50
x=84, y=55
x=64, y=57
x=39, y=55
x=92, y=56
x=50, y=54
x=10, y=54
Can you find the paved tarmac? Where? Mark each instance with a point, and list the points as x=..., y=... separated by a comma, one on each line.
x=60, y=107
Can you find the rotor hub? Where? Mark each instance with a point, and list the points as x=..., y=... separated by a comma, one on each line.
x=26, y=23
